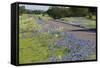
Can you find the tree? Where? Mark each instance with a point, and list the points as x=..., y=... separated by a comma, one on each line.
x=60, y=12
x=22, y=10
x=78, y=12
x=57, y=12
x=92, y=11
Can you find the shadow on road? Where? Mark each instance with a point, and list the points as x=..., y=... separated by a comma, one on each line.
x=86, y=30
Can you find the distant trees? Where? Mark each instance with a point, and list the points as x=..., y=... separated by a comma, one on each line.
x=78, y=12
x=59, y=12
x=92, y=12
x=37, y=11
x=22, y=10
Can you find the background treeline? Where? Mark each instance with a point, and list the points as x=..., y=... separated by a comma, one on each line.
x=57, y=12
x=60, y=12
x=23, y=10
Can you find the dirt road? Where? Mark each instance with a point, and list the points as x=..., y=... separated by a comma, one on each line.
x=78, y=32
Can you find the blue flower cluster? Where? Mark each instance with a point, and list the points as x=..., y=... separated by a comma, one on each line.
x=79, y=49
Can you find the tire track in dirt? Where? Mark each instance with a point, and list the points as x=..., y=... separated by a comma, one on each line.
x=76, y=31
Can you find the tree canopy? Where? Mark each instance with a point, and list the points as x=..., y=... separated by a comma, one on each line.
x=57, y=12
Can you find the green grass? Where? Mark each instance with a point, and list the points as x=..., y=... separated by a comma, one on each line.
x=27, y=55
x=39, y=52
x=88, y=23
x=92, y=25
x=34, y=49
x=27, y=23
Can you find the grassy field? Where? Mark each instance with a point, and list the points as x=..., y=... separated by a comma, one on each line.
x=88, y=23
x=34, y=47
x=37, y=46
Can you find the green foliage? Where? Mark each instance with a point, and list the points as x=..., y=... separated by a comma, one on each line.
x=34, y=49
x=22, y=10
x=56, y=12
x=93, y=17
x=92, y=13
x=60, y=12
x=78, y=12
x=27, y=23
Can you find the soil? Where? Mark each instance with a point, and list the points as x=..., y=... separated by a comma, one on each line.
x=78, y=32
